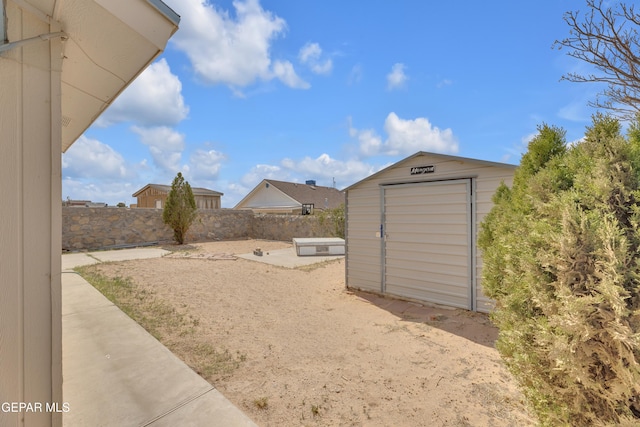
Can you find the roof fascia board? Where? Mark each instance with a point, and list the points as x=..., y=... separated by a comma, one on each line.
x=166, y=11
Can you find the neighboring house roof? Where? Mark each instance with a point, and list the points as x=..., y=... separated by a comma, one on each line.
x=291, y=194
x=197, y=191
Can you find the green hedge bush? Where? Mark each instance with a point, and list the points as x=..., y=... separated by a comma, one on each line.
x=562, y=261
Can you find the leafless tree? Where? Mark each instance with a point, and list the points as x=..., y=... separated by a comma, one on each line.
x=607, y=38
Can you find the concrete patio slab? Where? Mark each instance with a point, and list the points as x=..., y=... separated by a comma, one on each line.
x=288, y=258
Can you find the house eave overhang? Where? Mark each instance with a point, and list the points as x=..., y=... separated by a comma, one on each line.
x=108, y=44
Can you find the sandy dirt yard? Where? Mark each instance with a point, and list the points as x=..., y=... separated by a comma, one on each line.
x=308, y=352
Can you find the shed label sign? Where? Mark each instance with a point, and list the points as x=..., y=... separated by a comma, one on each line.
x=419, y=170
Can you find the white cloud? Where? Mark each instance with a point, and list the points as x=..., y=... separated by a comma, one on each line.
x=517, y=150
x=443, y=83
x=576, y=111
x=92, y=170
x=309, y=52
x=153, y=99
x=99, y=191
x=284, y=71
x=165, y=145
x=325, y=169
x=260, y=172
x=405, y=137
x=355, y=76
x=90, y=158
x=396, y=79
x=369, y=142
x=206, y=164
x=311, y=55
x=236, y=191
x=409, y=136
x=231, y=50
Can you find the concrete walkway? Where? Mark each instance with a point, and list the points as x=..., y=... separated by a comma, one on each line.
x=117, y=374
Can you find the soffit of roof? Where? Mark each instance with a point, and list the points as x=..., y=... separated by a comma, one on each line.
x=109, y=43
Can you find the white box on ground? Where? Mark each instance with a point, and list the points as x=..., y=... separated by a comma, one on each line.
x=318, y=246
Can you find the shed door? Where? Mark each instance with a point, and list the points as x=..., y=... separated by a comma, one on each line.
x=427, y=252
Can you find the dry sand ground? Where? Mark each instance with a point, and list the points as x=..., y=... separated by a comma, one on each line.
x=309, y=352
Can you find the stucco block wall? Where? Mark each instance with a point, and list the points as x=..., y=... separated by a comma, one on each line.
x=98, y=228
x=286, y=227
x=94, y=228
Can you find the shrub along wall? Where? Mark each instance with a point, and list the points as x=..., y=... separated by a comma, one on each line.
x=100, y=228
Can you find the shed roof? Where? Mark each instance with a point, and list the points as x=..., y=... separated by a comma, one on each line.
x=441, y=156
x=197, y=191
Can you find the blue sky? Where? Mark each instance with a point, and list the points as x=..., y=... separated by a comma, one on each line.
x=332, y=91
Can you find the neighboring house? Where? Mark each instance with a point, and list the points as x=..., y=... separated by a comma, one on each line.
x=83, y=204
x=74, y=203
x=272, y=196
x=155, y=196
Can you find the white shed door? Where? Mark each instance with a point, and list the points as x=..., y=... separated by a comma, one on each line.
x=427, y=252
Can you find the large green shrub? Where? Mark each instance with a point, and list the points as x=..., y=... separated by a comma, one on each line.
x=562, y=260
x=180, y=208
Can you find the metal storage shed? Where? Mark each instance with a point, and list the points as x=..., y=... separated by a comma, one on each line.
x=411, y=229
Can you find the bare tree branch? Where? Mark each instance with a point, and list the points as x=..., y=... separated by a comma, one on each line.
x=608, y=39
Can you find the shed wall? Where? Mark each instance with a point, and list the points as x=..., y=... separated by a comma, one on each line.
x=364, y=247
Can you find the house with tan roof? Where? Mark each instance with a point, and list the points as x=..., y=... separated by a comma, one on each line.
x=271, y=196
x=155, y=196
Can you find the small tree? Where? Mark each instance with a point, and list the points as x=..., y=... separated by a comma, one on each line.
x=180, y=208
x=561, y=252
